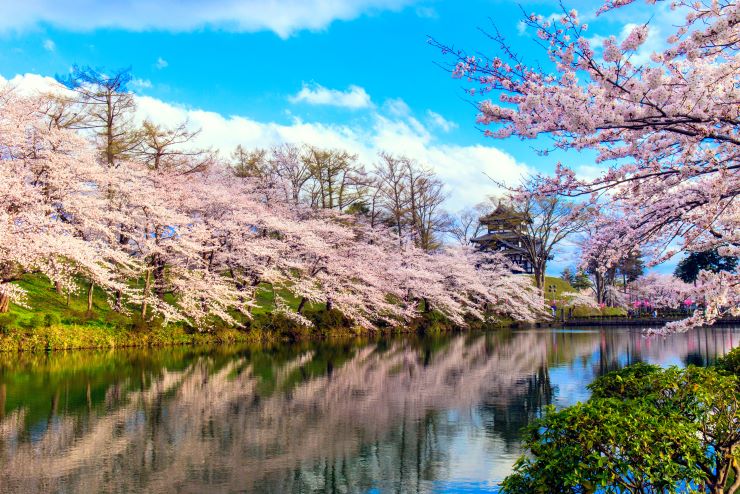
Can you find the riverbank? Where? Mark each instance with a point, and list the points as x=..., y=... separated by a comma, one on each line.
x=60, y=338
x=94, y=337
x=65, y=323
x=45, y=332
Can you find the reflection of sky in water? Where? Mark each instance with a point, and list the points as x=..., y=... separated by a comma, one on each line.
x=476, y=461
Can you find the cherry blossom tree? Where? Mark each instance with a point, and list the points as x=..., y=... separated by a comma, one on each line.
x=669, y=128
x=580, y=299
x=663, y=291
x=52, y=214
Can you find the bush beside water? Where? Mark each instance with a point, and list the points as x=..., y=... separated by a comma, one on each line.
x=644, y=430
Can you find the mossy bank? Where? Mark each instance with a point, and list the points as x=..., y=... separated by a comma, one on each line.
x=65, y=323
x=268, y=329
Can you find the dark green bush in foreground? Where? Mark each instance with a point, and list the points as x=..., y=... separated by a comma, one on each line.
x=644, y=430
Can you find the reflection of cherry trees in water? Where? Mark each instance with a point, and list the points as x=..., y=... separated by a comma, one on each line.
x=324, y=417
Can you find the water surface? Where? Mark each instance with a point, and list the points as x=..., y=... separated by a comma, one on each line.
x=411, y=414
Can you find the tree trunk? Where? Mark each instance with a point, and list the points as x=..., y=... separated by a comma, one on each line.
x=147, y=282
x=159, y=276
x=735, y=487
x=301, y=305
x=600, y=288
x=4, y=303
x=119, y=300
x=90, y=290
x=539, y=277
x=328, y=305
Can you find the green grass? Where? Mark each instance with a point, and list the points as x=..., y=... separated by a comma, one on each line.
x=60, y=337
x=265, y=298
x=53, y=321
x=58, y=309
x=561, y=286
x=605, y=312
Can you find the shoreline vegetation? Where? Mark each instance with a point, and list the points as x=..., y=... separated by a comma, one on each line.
x=62, y=322
x=275, y=330
x=58, y=321
x=644, y=428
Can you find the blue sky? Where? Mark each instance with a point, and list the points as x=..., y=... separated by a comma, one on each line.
x=356, y=74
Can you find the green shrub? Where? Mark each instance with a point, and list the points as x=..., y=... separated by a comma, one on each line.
x=644, y=430
x=51, y=320
x=7, y=321
x=36, y=321
x=731, y=361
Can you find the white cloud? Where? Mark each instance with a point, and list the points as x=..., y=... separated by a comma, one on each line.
x=588, y=171
x=521, y=28
x=141, y=83
x=465, y=169
x=353, y=98
x=397, y=107
x=49, y=45
x=283, y=17
x=161, y=63
x=434, y=119
x=31, y=84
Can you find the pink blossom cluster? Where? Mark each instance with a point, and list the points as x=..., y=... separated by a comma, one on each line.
x=661, y=291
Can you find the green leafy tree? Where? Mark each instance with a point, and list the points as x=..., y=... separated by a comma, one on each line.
x=731, y=362
x=710, y=260
x=644, y=430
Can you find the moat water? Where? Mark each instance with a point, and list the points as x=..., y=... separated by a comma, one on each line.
x=408, y=414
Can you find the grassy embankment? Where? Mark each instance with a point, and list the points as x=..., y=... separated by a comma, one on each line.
x=55, y=321
x=561, y=286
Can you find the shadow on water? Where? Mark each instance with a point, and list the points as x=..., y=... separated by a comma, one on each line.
x=413, y=414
